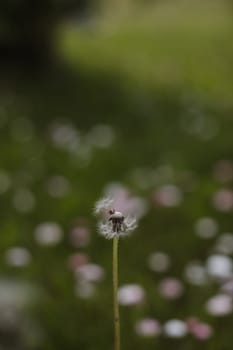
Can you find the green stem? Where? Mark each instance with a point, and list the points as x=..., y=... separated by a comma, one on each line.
x=115, y=296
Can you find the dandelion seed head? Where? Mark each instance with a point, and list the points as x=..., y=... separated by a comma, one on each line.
x=105, y=228
x=113, y=223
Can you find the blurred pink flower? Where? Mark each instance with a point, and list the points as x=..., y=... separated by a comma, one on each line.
x=77, y=260
x=171, y=288
x=198, y=329
x=228, y=287
x=223, y=200
x=124, y=201
x=90, y=272
x=80, y=236
x=168, y=196
x=131, y=294
x=219, y=305
x=148, y=327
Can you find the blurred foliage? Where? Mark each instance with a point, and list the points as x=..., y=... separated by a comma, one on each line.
x=162, y=82
x=27, y=27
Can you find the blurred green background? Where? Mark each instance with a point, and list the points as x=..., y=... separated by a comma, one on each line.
x=134, y=99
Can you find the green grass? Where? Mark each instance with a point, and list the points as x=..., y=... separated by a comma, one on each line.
x=174, y=46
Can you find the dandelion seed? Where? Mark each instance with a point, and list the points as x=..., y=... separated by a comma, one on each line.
x=117, y=227
x=103, y=205
x=113, y=223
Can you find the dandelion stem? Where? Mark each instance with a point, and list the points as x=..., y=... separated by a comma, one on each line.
x=115, y=297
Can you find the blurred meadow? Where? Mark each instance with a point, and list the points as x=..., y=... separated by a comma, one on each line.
x=137, y=103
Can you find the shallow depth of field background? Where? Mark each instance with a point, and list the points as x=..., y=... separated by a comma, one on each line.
x=138, y=103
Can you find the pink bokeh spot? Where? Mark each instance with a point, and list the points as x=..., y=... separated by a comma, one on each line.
x=77, y=260
x=80, y=236
x=171, y=288
x=199, y=330
x=223, y=200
